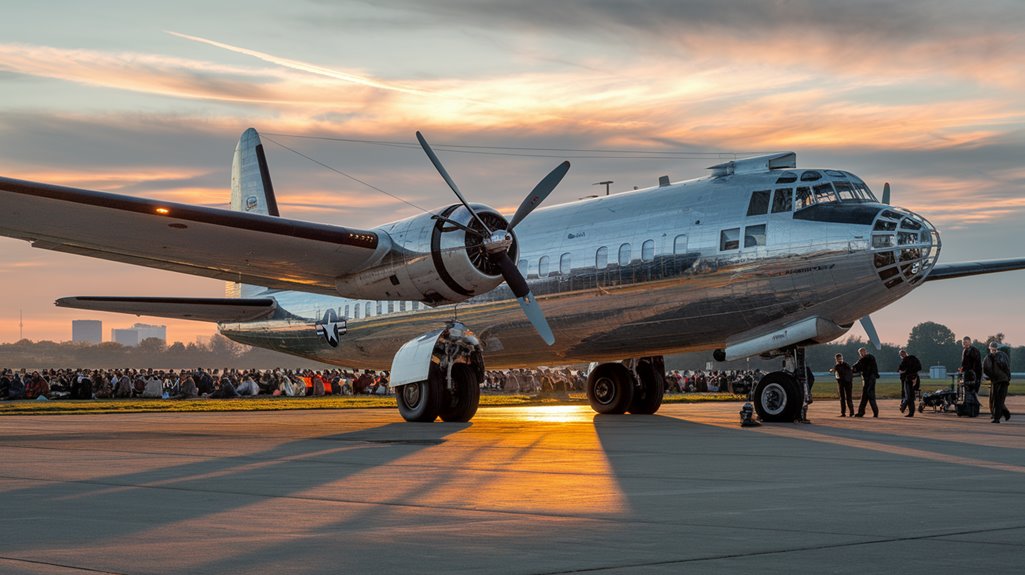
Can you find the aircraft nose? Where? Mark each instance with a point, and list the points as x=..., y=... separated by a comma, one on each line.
x=905, y=246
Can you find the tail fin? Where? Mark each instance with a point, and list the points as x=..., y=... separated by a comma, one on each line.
x=251, y=188
x=252, y=192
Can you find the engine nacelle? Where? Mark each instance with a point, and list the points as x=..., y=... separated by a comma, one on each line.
x=431, y=260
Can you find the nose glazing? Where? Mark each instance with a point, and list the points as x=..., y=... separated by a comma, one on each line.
x=905, y=247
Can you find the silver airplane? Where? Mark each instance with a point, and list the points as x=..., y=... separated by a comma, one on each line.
x=756, y=258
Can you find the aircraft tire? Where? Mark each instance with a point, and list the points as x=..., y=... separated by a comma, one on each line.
x=421, y=402
x=777, y=397
x=461, y=405
x=648, y=394
x=610, y=389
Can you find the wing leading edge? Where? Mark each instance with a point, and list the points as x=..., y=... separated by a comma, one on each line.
x=196, y=309
x=964, y=269
x=222, y=244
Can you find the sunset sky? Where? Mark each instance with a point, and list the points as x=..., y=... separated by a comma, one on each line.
x=149, y=99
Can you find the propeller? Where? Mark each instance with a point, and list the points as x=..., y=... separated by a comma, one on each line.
x=886, y=193
x=870, y=330
x=498, y=242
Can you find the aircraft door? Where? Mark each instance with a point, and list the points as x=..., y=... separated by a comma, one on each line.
x=565, y=276
x=680, y=259
x=601, y=266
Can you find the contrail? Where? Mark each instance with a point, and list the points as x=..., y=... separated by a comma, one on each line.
x=302, y=66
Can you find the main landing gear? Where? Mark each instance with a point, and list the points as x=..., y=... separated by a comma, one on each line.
x=438, y=375
x=634, y=385
x=783, y=395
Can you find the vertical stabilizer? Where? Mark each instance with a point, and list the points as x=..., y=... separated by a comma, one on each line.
x=251, y=191
x=251, y=188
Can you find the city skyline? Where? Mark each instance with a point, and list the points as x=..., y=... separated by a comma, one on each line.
x=149, y=100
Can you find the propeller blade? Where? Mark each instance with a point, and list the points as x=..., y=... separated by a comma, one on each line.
x=537, y=317
x=539, y=193
x=528, y=304
x=870, y=330
x=886, y=193
x=448, y=179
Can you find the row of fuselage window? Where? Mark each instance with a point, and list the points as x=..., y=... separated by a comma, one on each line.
x=601, y=258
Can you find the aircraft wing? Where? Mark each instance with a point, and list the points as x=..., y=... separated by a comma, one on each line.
x=222, y=244
x=197, y=309
x=962, y=269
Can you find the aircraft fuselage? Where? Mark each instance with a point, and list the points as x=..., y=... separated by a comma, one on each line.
x=688, y=266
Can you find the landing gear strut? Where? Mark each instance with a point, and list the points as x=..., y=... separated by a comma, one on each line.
x=783, y=395
x=438, y=375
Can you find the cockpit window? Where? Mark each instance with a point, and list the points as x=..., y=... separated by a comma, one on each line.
x=782, y=200
x=786, y=178
x=804, y=197
x=845, y=191
x=824, y=193
x=810, y=176
x=863, y=192
x=759, y=203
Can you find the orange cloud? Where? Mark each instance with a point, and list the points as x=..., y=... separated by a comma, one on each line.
x=698, y=102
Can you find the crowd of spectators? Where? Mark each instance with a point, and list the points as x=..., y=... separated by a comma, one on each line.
x=738, y=381
x=186, y=384
x=231, y=383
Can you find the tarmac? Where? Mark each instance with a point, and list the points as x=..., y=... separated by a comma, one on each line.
x=553, y=489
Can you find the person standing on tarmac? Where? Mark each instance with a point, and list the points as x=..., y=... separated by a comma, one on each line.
x=869, y=371
x=845, y=383
x=971, y=375
x=998, y=369
x=908, y=369
x=971, y=359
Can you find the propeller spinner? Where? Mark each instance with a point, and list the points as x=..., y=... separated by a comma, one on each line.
x=497, y=242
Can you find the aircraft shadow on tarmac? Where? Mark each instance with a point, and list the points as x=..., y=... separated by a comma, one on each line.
x=216, y=484
x=487, y=496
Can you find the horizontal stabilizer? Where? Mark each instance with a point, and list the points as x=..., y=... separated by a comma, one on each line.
x=197, y=309
x=963, y=269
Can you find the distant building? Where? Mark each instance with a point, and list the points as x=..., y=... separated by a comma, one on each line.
x=127, y=337
x=87, y=331
x=148, y=331
x=133, y=336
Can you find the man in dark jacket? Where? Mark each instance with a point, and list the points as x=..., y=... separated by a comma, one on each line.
x=869, y=371
x=997, y=367
x=971, y=361
x=845, y=383
x=908, y=370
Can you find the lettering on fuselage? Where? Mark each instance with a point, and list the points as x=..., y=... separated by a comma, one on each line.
x=331, y=328
x=822, y=268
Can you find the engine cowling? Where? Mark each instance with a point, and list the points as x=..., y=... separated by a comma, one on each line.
x=431, y=260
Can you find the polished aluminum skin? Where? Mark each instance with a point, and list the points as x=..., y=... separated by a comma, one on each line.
x=696, y=265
